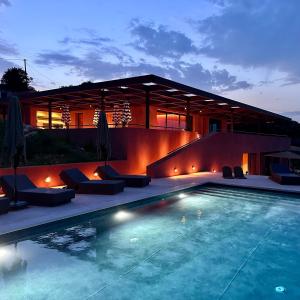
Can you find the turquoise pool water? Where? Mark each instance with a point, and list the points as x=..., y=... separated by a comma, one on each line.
x=211, y=243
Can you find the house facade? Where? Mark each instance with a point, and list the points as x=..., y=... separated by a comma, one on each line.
x=164, y=120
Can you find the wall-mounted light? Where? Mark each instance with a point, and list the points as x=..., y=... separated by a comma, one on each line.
x=214, y=170
x=193, y=168
x=175, y=170
x=48, y=179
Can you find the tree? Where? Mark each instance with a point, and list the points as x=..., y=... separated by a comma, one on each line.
x=16, y=80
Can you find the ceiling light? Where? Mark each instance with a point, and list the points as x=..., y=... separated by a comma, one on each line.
x=189, y=95
x=149, y=83
x=209, y=100
x=124, y=87
x=172, y=90
x=235, y=107
x=222, y=103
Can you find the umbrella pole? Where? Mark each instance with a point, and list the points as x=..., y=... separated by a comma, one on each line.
x=15, y=182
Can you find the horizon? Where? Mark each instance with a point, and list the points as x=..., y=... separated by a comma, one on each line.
x=247, y=51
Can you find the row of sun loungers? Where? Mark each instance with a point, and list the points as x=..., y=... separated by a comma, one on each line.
x=75, y=181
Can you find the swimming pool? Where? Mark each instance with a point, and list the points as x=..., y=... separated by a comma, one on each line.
x=213, y=242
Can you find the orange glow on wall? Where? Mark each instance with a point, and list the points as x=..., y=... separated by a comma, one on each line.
x=245, y=162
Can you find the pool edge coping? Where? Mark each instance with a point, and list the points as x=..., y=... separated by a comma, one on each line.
x=4, y=237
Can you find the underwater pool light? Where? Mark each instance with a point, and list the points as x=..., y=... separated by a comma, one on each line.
x=123, y=215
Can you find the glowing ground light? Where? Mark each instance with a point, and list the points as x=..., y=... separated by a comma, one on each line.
x=193, y=168
x=280, y=289
x=48, y=179
x=181, y=195
x=95, y=174
x=175, y=170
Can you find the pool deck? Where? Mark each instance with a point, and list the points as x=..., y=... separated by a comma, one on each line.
x=35, y=215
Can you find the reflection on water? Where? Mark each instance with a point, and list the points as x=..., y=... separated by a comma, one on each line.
x=11, y=263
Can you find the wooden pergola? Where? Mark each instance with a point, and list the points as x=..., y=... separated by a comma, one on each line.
x=149, y=90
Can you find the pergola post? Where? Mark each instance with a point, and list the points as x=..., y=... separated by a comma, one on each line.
x=188, y=124
x=50, y=114
x=147, y=116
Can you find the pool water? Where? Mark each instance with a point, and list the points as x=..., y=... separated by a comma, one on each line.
x=210, y=243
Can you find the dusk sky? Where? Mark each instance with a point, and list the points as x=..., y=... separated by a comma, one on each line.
x=247, y=50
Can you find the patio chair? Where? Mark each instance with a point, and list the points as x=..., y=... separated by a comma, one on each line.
x=76, y=180
x=227, y=172
x=107, y=172
x=238, y=173
x=27, y=191
x=282, y=175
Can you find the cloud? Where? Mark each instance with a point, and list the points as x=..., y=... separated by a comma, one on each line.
x=89, y=41
x=93, y=67
x=4, y=3
x=256, y=33
x=159, y=41
x=7, y=49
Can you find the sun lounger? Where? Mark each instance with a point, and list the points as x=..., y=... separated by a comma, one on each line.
x=4, y=205
x=107, y=172
x=76, y=180
x=27, y=191
x=282, y=175
x=227, y=172
x=238, y=173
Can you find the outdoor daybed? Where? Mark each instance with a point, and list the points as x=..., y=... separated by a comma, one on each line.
x=227, y=172
x=76, y=180
x=282, y=175
x=27, y=191
x=107, y=172
x=238, y=173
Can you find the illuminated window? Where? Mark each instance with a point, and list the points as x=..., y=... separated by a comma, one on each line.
x=42, y=119
x=170, y=120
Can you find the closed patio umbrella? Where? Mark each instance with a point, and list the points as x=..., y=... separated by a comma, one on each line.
x=103, y=138
x=14, y=141
x=289, y=155
x=284, y=154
